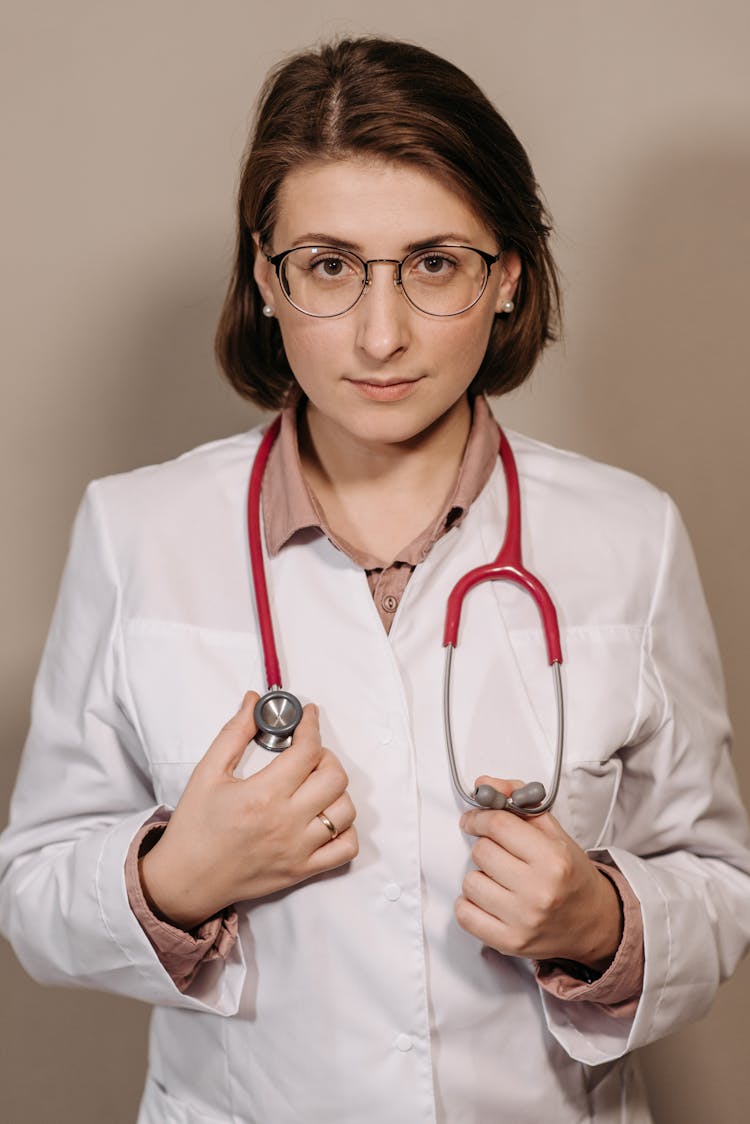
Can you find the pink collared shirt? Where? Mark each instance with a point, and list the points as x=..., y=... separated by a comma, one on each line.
x=289, y=507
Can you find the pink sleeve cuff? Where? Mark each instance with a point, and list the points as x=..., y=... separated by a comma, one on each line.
x=617, y=990
x=180, y=952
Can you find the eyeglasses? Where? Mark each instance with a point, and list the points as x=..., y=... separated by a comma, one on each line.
x=328, y=281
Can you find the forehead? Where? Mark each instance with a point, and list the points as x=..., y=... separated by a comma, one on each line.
x=372, y=203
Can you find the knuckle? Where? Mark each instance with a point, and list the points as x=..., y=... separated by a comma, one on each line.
x=548, y=899
x=461, y=911
x=339, y=774
x=472, y=881
x=560, y=867
x=517, y=943
x=351, y=811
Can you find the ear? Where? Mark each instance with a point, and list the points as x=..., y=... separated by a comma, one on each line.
x=510, y=273
x=263, y=273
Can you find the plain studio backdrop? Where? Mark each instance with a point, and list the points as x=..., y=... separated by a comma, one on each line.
x=123, y=125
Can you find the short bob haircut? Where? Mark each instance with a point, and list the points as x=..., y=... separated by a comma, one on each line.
x=388, y=100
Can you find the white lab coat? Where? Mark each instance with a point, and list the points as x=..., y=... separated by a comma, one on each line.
x=355, y=998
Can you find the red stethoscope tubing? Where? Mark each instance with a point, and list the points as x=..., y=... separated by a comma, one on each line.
x=260, y=586
x=508, y=566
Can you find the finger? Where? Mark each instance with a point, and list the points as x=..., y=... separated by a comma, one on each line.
x=227, y=748
x=292, y=766
x=485, y=893
x=333, y=853
x=481, y=925
x=500, y=865
x=324, y=784
x=341, y=813
x=547, y=824
x=514, y=834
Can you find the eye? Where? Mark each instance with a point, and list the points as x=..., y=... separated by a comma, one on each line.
x=331, y=266
x=433, y=263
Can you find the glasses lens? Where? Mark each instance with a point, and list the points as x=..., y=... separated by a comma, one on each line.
x=322, y=281
x=444, y=280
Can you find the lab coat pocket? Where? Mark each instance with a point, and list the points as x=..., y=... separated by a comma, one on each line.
x=601, y=676
x=185, y=683
x=589, y=793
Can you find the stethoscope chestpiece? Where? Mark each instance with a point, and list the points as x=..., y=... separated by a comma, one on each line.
x=277, y=715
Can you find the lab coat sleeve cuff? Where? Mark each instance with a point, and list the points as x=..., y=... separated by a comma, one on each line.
x=216, y=989
x=181, y=952
x=586, y=1029
x=675, y=945
x=616, y=990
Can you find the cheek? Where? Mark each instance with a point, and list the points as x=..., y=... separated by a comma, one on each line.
x=310, y=346
x=461, y=344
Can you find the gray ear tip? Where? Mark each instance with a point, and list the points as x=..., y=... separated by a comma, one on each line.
x=530, y=795
x=489, y=797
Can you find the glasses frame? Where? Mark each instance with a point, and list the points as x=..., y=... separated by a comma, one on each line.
x=277, y=260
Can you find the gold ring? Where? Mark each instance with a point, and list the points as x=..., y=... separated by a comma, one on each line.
x=329, y=824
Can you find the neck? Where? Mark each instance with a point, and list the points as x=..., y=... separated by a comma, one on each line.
x=379, y=496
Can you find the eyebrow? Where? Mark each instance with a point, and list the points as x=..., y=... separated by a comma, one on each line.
x=316, y=238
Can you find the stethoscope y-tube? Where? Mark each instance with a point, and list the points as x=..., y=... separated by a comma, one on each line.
x=278, y=712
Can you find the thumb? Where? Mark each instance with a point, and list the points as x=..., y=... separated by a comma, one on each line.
x=225, y=751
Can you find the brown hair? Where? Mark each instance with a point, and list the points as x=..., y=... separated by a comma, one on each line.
x=397, y=102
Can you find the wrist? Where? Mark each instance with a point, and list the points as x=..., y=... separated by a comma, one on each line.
x=606, y=930
x=166, y=894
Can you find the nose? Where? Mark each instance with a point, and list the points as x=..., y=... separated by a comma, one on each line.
x=382, y=314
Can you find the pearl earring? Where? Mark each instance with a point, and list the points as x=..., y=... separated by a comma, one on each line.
x=267, y=310
x=508, y=306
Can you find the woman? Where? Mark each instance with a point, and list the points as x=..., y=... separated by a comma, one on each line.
x=330, y=933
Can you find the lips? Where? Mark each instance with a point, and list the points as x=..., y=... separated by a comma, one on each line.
x=390, y=390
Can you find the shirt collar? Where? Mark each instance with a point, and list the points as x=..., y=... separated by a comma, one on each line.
x=289, y=505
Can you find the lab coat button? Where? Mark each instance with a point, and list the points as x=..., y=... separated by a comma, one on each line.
x=392, y=892
x=390, y=603
x=386, y=736
x=404, y=1043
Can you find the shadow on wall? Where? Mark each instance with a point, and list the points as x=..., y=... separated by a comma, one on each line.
x=162, y=393
x=662, y=387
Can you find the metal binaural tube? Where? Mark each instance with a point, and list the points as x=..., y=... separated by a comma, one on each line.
x=530, y=800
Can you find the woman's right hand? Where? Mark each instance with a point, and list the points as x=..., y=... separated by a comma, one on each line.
x=230, y=840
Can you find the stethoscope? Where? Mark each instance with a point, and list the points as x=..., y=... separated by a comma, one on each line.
x=278, y=712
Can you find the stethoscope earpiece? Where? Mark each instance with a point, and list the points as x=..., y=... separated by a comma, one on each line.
x=530, y=795
x=526, y=798
x=277, y=715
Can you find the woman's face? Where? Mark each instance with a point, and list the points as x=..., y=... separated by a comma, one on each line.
x=383, y=372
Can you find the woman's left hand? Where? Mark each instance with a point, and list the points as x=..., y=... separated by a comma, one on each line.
x=535, y=892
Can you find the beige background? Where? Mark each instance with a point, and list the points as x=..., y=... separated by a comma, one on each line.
x=122, y=129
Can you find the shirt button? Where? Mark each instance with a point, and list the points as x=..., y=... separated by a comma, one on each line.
x=392, y=892
x=390, y=603
x=404, y=1043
